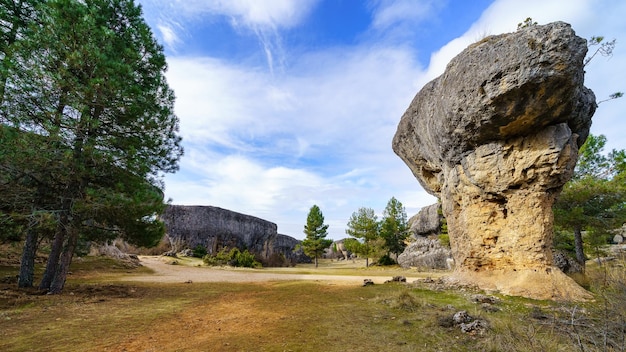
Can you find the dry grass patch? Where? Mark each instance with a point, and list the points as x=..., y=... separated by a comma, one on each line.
x=98, y=313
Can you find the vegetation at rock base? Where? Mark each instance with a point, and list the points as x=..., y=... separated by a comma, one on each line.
x=316, y=231
x=233, y=257
x=378, y=239
x=594, y=201
x=87, y=127
x=444, y=236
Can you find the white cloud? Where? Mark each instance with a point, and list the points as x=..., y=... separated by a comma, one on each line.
x=272, y=147
x=264, y=19
x=170, y=37
x=319, y=132
x=388, y=13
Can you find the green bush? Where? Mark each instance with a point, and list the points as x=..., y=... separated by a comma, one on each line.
x=444, y=239
x=386, y=260
x=233, y=257
x=243, y=259
x=200, y=251
x=220, y=258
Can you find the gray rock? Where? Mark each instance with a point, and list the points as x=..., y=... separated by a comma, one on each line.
x=337, y=250
x=426, y=222
x=566, y=263
x=480, y=298
x=461, y=317
x=425, y=253
x=495, y=138
x=476, y=326
x=216, y=228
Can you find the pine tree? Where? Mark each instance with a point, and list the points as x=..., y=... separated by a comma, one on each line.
x=316, y=231
x=89, y=82
x=363, y=225
x=394, y=227
x=594, y=200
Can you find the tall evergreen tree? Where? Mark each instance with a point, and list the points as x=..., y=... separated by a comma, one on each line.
x=16, y=16
x=594, y=200
x=316, y=231
x=89, y=81
x=363, y=225
x=394, y=227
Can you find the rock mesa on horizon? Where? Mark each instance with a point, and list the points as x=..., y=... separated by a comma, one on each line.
x=495, y=138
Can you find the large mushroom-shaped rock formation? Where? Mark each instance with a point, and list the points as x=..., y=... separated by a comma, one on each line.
x=495, y=138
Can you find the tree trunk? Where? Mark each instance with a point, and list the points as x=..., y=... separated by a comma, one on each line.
x=316, y=261
x=64, y=265
x=367, y=262
x=578, y=245
x=27, y=264
x=53, y=258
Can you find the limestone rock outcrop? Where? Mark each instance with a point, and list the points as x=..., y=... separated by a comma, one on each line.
x=425, y=253
x=426, y=222
x=425, y=250
x=495, y=138
x=216, y=228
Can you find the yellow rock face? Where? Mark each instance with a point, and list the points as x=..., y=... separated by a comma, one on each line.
x=495, y=138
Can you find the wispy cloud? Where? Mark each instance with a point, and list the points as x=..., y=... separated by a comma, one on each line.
x=391, y=13
x=263, y=19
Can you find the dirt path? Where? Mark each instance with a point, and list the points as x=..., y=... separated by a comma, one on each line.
x=164, y=272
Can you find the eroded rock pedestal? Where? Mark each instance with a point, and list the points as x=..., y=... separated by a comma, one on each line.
x=495, y=138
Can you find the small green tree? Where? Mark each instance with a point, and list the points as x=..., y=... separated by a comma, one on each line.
x=595, y=199
x=363, y=226
x=394, y=227
x=316, y=231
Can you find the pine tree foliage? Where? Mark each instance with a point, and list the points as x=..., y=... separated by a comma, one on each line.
x=594, y=201
x=316, y=231
x=364, y=227
x=394, y=227
x=86, y=95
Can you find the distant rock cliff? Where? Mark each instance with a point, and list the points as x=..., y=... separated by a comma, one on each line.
x=425, y=250
x=216, y=228
x=495, y=138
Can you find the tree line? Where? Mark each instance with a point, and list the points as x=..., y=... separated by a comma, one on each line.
x=87, y=129
x=370, y=238
x=591, y=206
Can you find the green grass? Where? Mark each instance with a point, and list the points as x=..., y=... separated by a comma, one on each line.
x=96, y=312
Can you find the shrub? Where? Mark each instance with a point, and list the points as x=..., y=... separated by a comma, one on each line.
x=232, y=257
x=220, y=258
x=386, y=260
x=243, y=259
x=199, y=251
x=444, y=239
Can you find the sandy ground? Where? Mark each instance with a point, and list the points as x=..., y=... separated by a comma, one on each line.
x=165, y=272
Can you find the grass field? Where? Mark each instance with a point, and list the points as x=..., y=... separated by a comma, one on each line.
x=98, y=312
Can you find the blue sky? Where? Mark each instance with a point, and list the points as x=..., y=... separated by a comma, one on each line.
x=288, y=103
